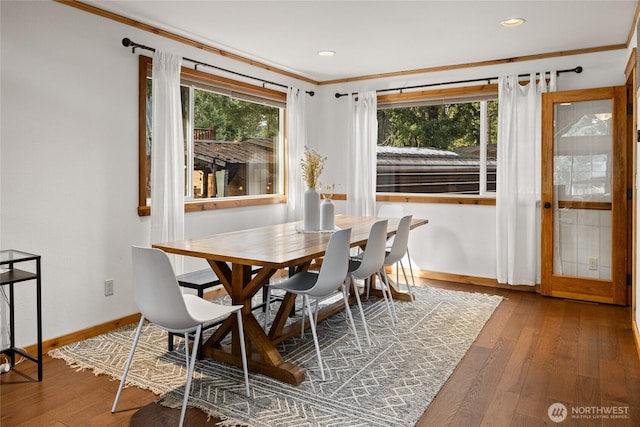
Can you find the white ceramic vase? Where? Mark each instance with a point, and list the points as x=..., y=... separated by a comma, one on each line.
x=327, y=215
x=311, y=206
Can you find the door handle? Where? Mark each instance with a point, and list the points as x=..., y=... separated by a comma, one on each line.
x=547, y=205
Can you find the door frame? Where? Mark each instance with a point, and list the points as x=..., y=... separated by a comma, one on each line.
x=632, y=191
x=612, y=291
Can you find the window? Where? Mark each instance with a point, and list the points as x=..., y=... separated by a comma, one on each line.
x=437, y=145
x=233, y=139
x=582, y=151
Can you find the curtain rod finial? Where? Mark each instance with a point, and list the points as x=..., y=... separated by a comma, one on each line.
x=126, y=42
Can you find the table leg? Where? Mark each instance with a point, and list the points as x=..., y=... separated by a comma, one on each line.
x=262, y=355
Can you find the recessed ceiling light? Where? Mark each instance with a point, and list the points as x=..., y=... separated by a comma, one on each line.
x=512, y=22
x=326, y=53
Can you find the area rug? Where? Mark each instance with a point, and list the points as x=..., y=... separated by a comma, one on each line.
x=391, y=383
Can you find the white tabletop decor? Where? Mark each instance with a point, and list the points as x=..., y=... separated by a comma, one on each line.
x=312, y=165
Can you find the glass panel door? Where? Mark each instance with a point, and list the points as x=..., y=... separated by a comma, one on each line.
x=582, y=189
x=584, y=195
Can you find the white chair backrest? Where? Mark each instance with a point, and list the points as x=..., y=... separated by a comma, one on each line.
x=335, y=264
x=374, y=252
x=391, y=211
x=399, y=248
x=156, y=291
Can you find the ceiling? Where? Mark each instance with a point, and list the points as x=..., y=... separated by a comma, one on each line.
x=375, y=37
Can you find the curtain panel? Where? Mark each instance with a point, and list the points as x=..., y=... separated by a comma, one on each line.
x=518, y=174
x=296, y=141
x=167, y=155
x=361, y=154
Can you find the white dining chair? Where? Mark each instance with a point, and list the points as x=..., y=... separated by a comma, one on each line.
x=398, y=251
x=160, y=301
x=368, y=264
x=200, y=280
x=392, y=210
x=317, y=286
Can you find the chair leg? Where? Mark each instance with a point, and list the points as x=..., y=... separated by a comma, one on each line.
x=200, y=353
x=413, y=281
x=315, y=336
x=315, y=319
x=265, y=289
x=409, y=287
x=386, y=293
x=170, y=344
x=243, y=351
x=367, y=286
x=302, y=321
x=128, y=364
x=383, y=290
x=353, y=324
x=390, y=294
x=191, y=363
x=267, y=311
x=364, y=321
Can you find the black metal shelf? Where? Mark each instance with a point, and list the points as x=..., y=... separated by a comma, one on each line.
x=15, y=275
x=10, y=277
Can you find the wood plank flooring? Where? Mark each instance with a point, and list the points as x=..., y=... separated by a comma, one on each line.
x=533, y=352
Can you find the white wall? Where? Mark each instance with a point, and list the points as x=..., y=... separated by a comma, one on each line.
x=68, y=161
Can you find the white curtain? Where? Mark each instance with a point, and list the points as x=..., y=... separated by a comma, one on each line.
x=519, y=179
x=361, y=154
x=167, y=154
x=296, y=141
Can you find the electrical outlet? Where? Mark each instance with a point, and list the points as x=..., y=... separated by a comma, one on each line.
x=593, y=263
x=108, y=287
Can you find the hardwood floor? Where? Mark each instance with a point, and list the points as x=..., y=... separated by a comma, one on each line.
x=533, y=352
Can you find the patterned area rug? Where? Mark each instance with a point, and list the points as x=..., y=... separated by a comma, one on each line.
x=390, y=384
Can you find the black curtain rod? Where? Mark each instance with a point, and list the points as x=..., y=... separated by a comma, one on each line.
x=577, y=69
x=126, y=42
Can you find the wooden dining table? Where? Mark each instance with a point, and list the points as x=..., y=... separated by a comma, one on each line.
x=234, y=256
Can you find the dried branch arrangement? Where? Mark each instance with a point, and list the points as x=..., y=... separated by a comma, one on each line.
x=312, y=165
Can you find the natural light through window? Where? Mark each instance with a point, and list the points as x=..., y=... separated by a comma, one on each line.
x=233, y=140
x=437, y=147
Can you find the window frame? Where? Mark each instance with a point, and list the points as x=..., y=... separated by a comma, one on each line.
x=458, y=94
x=197, y=205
